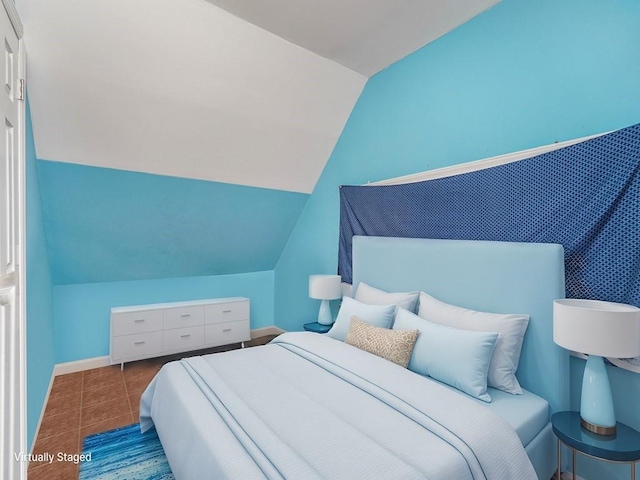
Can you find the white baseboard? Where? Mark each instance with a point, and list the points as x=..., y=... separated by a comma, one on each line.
x=81, y=365
x=44, y=406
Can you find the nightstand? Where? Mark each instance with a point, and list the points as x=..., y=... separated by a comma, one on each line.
x=623, y=447
x=317, y=327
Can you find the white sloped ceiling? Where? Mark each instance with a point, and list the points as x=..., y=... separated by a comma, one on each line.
x=181, y=88
x=363, y=35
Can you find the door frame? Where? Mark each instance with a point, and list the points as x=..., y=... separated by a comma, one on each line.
x=20, y=254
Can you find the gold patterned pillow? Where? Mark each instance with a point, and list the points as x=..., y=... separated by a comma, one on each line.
x=393, y=345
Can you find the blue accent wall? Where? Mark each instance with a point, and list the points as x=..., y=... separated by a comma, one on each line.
x=520, y=75
x=39, y=295
x=106, y=225
x=82, y=312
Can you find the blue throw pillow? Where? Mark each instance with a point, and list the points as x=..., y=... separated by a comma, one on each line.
x=459, y=358
x=377, y=315
x=510, y=327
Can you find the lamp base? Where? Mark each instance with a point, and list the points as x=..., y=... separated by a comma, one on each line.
x=324, y=315
x=596, y=405
x=597, y=429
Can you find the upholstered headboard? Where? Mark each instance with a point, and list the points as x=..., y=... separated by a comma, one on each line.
x=500, y=277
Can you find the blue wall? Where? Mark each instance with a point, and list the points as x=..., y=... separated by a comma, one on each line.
x=124, y=238
x=39, y=296
x=81, y=312
x=521, y=75
x=106, y=225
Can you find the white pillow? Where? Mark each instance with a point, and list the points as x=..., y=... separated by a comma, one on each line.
x=373, y=296
x=510, y=327
x=459, y=358
x=376, y=315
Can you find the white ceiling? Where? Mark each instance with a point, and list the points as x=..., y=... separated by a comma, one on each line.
x=363, y=35
x=187, y=89
x=181, y=88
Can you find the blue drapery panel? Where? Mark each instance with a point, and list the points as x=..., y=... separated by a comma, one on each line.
x=585, y=197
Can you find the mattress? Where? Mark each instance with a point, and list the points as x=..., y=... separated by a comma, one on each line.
x=527, y=413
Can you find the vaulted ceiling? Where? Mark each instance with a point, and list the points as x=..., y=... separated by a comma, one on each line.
x=363, y=35
x=257, y=96
x=181, y=88
x=247, y=93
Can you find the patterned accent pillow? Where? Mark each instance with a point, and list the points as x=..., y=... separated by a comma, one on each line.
x=393, y=345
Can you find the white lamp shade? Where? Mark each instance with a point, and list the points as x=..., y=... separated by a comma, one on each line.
x=325, y=287
x=594, y=327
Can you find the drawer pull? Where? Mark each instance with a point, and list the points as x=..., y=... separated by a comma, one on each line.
x=185, y=315
x=139, y=343
x=226, y=311
x=226, y=330
x=185, y=336
x=139, y=320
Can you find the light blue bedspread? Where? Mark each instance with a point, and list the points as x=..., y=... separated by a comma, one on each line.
x=310, y=407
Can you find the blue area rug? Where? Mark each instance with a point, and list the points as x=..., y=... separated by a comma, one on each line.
x=124, y=453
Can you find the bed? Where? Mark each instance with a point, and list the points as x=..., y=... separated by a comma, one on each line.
x=307, y=406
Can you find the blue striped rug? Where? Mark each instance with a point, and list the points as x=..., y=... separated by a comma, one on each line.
x=124, y=453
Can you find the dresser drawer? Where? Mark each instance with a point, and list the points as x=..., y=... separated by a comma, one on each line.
x=183, y=317
x=227, y=312
x=146, y=331
x=137, y=345
x=224, y=333
x=183, y=339
x=136, y=322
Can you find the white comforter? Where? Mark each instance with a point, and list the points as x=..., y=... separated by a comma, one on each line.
x=309, y=407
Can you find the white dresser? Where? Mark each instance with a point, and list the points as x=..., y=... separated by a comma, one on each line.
x=147, y=331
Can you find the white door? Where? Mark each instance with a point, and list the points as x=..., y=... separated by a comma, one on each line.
x=12, y=355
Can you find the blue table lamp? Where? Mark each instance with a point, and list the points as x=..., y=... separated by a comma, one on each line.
x=325, y=288
x=599, y=329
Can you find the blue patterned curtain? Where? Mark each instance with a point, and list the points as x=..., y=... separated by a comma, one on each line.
x=585, y=197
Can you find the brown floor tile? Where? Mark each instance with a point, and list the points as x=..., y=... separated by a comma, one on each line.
x=139, y=382
x=99, y=377
x=109, y=424
x=134, y=401
x=137, y=385
x=66, y=386
x=69, y=378
x=145, y=368
x=101, y=394
x=55, y=471
x=64, y=442
x=62, y=404
x=60, y=423
x=101, y=412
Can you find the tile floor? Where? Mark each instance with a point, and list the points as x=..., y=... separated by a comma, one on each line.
x=94, y=401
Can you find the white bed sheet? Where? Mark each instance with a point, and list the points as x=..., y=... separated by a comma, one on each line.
x=527, y=413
